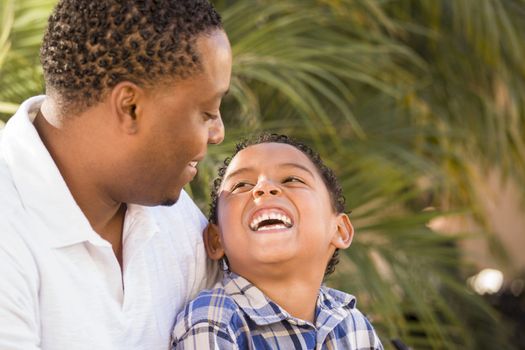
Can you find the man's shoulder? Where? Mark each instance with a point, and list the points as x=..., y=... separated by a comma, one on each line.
x=7, y=187
x=14, y=251
x=11, y=208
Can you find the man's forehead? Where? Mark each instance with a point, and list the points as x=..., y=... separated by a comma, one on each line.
x=218, y=96
x=215, y=51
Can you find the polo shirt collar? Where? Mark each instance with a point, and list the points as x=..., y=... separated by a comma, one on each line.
x=332, y=305
x=252, y=301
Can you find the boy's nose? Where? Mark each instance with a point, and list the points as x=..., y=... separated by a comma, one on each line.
x=264, y=188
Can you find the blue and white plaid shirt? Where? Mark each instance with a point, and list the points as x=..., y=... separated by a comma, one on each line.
x=237, y=315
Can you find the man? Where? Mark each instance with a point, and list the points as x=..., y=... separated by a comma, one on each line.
x=100, y=246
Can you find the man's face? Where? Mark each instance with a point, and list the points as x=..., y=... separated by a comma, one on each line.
x=275, y=212
x=178, y=122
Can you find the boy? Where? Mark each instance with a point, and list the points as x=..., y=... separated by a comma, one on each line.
x=276, y=222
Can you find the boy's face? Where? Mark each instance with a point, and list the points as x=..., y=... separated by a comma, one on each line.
x=275, y=213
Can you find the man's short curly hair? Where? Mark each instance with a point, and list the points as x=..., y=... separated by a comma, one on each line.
x=91, y=46
x=327, y=174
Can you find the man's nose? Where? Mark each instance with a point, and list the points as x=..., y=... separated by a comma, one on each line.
x=216, y=131
x=266, y=187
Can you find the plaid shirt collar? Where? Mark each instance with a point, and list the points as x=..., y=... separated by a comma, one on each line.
x=332, y=305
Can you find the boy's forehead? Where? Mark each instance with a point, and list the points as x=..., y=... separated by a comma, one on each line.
x=269, y=155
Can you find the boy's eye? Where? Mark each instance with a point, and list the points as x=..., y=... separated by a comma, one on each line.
x=293, y=179
x=241, y=186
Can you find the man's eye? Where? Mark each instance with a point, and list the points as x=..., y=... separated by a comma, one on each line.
x=210, y=116
x=241, y=186
x=293, y=179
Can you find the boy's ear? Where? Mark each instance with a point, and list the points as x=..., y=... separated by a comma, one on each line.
x=212, y=242
x=345, y=232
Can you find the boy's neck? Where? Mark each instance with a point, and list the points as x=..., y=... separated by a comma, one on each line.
x=297, y=295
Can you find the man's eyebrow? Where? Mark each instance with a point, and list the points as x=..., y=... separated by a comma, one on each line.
x=221, y=94
x=218, y=96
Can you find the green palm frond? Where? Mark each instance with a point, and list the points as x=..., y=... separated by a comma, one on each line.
x=475, y=52
x=21, y=30
x=288, y=48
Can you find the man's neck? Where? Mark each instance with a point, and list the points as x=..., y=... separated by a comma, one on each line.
x=75, y=164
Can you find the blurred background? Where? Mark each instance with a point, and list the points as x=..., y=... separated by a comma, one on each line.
x=418, y=106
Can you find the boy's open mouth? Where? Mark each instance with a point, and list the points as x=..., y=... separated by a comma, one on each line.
x=272, y=219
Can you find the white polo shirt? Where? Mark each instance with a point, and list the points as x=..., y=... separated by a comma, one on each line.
x=61, y=286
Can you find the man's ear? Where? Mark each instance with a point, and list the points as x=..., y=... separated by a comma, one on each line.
x=212, y=242
x=124, y=100
x=345, y=232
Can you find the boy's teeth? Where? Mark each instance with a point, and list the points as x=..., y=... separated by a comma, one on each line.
x=194, y=163
x=272, y=227
x=286, y=222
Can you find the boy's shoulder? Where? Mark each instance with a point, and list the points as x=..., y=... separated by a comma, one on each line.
x=233, y=304
x=235, y=309
x=211, y=306
x=212, y=317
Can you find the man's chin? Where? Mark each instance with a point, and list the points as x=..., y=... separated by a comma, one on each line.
x=172, y=199
x=169, y=202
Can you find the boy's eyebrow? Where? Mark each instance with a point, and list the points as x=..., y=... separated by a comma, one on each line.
x=297, y=165
x=248, y=169
x=237, y=172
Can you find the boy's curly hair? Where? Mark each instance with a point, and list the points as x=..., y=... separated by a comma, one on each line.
x=91, y=46
x=328, y=176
